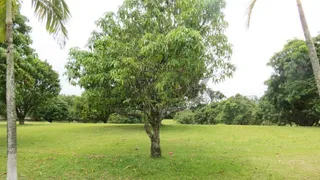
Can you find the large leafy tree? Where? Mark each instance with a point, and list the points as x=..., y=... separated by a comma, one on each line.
x=36, y=83
x=267, y=113
x=237, y=109
x=55, y=14
x=291, y=89
x=155, y=53
x=310, y=44
x=54, y=109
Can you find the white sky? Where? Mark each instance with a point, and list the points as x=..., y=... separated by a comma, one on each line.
x=273, y=23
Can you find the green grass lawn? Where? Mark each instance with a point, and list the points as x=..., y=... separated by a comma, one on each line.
x=98, y=151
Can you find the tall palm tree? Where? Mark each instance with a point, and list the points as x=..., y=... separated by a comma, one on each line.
x=55, y=14
x=312, y=50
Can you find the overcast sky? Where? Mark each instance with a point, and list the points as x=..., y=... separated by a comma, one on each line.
x=273, y=23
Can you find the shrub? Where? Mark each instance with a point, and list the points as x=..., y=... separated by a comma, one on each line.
x=205, y=115
x=120, y=119
x=267, y=123
x=238, y=110
x=185, y=117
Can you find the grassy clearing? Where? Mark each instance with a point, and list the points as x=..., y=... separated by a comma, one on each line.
x=98, y=151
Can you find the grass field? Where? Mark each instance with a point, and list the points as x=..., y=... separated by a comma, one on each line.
x=98, y=151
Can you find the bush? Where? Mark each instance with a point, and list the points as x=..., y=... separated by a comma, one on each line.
x=120, y=119
x=267, y=123
x=205, y=115
x=185, y=117
x=237, y=110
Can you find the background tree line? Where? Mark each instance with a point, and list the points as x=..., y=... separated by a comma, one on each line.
x=291, y=96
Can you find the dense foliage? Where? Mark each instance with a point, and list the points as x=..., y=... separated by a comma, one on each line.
x=292, y=91
x=237, y=110
x=207, y=114
x=291, y=97
x=54, y=109
x=185, y=117
x=122, y=119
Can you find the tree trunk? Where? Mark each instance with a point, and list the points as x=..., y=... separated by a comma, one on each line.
x=21, y=117
x=312, y=50
x=21, y=121
x=10, y=98
x=105, y=118
x=154, y=138
x=155, y=141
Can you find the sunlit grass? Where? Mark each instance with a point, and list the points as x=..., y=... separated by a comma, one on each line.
x=99, y=151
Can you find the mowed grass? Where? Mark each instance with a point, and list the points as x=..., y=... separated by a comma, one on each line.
x=98, y=151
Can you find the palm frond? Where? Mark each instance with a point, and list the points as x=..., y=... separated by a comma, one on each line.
x=2, y=20
x=55, y=14
x=249, y=12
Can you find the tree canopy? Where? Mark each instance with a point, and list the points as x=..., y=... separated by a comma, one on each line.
x=54, y=109
x=292, y=90
x=238, y=110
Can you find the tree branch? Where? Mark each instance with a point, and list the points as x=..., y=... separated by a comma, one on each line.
x=148, y=130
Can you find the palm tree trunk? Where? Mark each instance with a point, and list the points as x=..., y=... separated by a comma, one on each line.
x=10, y=98
x=312, y=50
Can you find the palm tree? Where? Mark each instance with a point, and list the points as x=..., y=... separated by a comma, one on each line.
x=312, y=50
x=55, y=14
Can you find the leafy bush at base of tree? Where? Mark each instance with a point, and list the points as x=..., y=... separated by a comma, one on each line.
x=185, y=117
